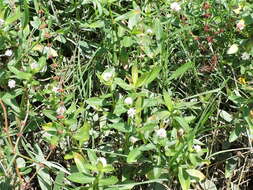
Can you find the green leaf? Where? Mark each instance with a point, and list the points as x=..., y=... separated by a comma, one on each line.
x=196, y=173
x=42, y=63
x=147, y=78
x=80, y=162
x=158, y=30
x=92, y=156
x=95, y=101
x=25, y=17
x=107, y=168
x=155, y=173
x=226, y=116
x=82, y=134
x=44, y=178
x=133, y=155
x=127, y=41
x=134, y=18
x=50, y=114
x=168, y=101
x=181, y=70
x=58, y=183
x=184, y=179
x=122, y=127
x=183, y=123
x=161, y=115
x=20, y=74
x=147, y=127
x=147, y=147
x=108, y=181
x=230, y=167
x=119, y=109
x=14, y=17
x=135, y=74
x=208, y=185
x=123, y=84
x=125, y=16
x=36, y=5
x=81, y=178
x=68, y=156
x=96, y=24
x=193, y=158
x=235, y=134
x=9, y=100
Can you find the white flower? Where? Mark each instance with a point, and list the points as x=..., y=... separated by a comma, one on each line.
x=131, y=112
x=1, y=22
x=34, y=65
x=102, y=160
x=61, y=110
x=128, y=101
x=133, y=139
x=161, y=133
x=12, y=83
x=107, y=76
x=197, y=148
x=233, y=49
x=55, y=89
x=175, y=6
x=240, y=25
x=245, y=56
x=149, y=31
x=8, y=53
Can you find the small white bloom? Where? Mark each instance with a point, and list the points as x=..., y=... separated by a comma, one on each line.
x=12, y=83
x=102, y=160
x=8, y=53
x=194, y=100
x=197, y=148
x=240, y=25
x=133, y=139
x=161, y=133
x=1, y=22
x=55, y=89
x=131, y=112
x=61, y=110
x=233, y=49
x=149, y=31
x=175, y=6
x=107, y=76
x=34, y=65
x=245, y=56
x=128, y=101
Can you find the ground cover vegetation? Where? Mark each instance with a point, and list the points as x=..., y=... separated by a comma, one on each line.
x=124, y=94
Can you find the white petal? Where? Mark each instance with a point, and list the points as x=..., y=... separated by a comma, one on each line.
x=233, y=49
